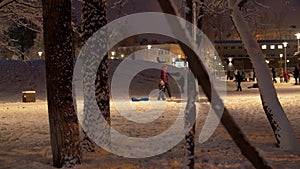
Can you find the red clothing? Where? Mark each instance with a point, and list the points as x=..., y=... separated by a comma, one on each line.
x=286, y=76
x=164, y=76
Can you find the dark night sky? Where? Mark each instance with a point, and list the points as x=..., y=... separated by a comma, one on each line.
x=290, y=12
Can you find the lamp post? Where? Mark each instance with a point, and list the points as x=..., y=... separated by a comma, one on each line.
x=148, y=52
x=298, y=39
x=285, y=45
x=298, y=46
x=280, y=55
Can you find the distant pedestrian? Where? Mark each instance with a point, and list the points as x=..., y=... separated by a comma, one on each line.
x=274, y=75
x=228, y=75
x=254, y=75
x=251, y=75
x=239, y=79
x=164, y=77
x=281, y=74
x=286, y=77
x=235, y=74
x=162, y=89
x=243, y=76
x=296, y=75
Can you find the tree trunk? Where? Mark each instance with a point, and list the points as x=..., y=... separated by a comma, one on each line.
x=190, y=122
x=202, y=76
x=94, y=18
x=190, y=112
x=63, y=120
x=281, y=127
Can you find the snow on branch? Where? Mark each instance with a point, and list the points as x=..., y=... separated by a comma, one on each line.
x=29, y=5
x=260, y=4
x=5, y=3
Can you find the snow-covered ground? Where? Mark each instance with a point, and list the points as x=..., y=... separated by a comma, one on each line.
x=25, y=138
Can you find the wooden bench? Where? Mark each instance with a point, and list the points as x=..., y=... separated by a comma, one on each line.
x=28, y=96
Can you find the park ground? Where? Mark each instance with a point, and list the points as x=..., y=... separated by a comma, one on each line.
x=25, y=135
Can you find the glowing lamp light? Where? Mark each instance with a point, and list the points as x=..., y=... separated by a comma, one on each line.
x=297, y=35
x=230, y=62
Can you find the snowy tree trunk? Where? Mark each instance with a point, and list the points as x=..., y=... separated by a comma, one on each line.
x=281, y=127
x=63, y=120
x=190, y=123
x=94, y=18
x=190, y=112
x=203, y=79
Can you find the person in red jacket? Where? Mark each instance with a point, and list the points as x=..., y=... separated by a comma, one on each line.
x=164, y=76
x=286, y=77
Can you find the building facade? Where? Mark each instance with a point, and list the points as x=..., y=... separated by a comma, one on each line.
x=234, y=55
x=161, y=53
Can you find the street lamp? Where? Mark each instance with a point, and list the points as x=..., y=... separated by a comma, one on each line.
x=285, y=45
x=40, y=54
x=298, y=38
x=113, y=54
x=148, y=52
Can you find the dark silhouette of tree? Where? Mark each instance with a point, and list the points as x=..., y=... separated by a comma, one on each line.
x=21, y=37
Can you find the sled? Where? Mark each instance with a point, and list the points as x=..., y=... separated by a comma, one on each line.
x=139, y=99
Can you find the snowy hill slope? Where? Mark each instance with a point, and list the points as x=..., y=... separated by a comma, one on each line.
x=17, y=76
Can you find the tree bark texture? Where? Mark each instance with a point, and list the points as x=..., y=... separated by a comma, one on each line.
x=63, y=120
x=190, y=112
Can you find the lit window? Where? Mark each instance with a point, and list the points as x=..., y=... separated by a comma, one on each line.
x=280, y=47
x=263, y=46
x=272, y=47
